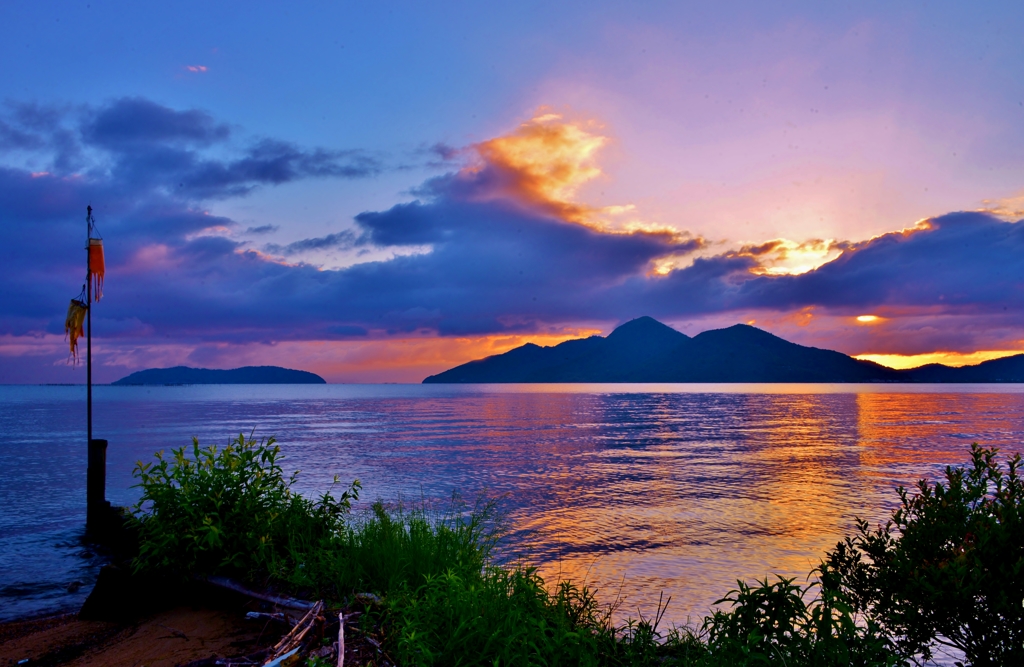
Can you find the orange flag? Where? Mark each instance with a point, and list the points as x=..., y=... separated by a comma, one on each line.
x=73, y=329
x=96, y=267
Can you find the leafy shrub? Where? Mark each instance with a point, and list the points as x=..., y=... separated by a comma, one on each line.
x=948, y=567
x=230, y=511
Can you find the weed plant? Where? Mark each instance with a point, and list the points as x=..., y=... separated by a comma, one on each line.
x=443, y=601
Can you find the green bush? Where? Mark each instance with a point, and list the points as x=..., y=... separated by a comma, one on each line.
x=948, y=568
x=230, y=511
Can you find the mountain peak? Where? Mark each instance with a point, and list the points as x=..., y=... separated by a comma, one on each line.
x=646, y=330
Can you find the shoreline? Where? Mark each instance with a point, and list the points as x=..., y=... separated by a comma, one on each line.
x=176, y=636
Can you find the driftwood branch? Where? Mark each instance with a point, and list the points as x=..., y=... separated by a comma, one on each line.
x=287, y=603
x=341, y=639
x=279, y=617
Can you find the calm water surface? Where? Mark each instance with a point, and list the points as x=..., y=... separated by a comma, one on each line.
x=637, y=489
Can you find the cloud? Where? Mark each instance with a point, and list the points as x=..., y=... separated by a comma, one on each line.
x=262, y=229
x=503, y=249
x=441, y=154
x=268, y=162
x=135, y=148
x=961, y=262
x=344, y=239
x=138, y=123
x=14, y=138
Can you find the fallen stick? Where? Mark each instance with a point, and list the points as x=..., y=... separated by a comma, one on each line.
x=292, y=641
x=286, y=640
x=341, y=639
x=287, y=603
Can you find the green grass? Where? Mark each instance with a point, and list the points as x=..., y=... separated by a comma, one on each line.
x=444, y=601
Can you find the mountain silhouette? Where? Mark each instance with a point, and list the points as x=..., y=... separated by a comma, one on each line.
x=1007, y=369
x=244, y=375
x=645, y=350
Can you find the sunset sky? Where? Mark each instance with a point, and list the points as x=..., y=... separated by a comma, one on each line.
x=379, y=191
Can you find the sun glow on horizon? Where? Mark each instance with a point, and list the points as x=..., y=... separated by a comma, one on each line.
x=955, y=359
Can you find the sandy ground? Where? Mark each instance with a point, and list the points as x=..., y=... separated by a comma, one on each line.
x=166, y=639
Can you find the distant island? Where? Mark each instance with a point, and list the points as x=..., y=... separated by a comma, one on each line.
x=645, y=350
x=244, y=375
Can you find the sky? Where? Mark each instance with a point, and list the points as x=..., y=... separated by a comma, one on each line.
x=378, y=191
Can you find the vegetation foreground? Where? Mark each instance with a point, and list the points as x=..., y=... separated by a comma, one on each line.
x=947, y=569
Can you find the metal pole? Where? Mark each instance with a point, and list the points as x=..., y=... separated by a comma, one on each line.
x=96, y=470
x=88, y=319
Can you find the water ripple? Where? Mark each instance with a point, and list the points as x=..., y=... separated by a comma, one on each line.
x=635, y=490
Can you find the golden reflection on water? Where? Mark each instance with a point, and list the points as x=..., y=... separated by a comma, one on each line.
x=690, y=517
x=930, y=429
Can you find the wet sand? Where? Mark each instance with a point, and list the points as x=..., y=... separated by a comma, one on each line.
x=173, y=637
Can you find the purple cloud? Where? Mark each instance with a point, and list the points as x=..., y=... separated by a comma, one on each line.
x=134, y=123
x=962, y=262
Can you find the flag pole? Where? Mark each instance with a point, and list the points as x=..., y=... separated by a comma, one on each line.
x=97, y=513
x=88, y=320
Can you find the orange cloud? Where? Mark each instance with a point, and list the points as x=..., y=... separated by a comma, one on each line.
x=544, y=163
x=780, y=257
x=1007, y=208
x=546, y=159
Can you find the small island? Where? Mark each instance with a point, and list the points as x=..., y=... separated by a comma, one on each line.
x=244, y=375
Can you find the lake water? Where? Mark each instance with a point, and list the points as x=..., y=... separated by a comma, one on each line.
x=636, y=489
